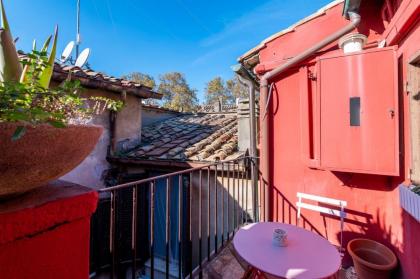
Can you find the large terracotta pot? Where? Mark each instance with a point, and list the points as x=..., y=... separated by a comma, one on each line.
x=42, y=154
x=371, y=259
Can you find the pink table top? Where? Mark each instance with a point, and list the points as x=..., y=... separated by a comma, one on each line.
x=307, y=254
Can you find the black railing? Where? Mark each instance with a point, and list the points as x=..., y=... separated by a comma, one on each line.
x=203, y=207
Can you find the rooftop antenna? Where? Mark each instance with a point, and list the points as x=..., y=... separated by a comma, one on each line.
x=78, y=41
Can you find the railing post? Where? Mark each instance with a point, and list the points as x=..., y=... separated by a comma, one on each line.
x=200, y=222
x=167, y=224
x=134, y=233
x=112, y=234
x=215, y=210
x=223, y=204
x=254, y=179
x=152, y=228
x=190, y=240
x=180, y=217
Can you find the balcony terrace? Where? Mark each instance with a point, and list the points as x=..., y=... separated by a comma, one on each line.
x=161, y=230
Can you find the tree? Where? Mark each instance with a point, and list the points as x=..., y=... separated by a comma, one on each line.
x=146, y=80
x=177, y=94
x=236, y=88
x=216, y=90
x=141, y=78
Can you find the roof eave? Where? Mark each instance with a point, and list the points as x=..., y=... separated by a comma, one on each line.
x=254, y=51
x=140, y=92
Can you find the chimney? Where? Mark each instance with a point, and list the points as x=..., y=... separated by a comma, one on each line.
x=243, y=124
x=217, y=107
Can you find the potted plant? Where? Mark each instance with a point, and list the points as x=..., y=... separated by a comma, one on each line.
x=44, y=132
x=410, y=200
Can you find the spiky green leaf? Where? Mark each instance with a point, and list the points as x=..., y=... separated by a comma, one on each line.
x=46, y=44
x=46, y=74
x=10, y=67
x=4, y=22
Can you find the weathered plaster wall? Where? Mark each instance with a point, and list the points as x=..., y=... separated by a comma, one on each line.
x=152, y=115
x=128, y=123
x=90, y=172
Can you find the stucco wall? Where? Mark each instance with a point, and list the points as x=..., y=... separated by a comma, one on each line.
x=152, y=115
x=128, y=123
x=90, y=172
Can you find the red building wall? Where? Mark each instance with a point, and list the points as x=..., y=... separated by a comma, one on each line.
x=373, y=200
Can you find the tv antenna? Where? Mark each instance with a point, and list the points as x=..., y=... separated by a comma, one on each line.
x=78, y=40
x=82, y=58
x=67, y=52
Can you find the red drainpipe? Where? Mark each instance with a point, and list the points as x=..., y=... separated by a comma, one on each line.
x=265, y=99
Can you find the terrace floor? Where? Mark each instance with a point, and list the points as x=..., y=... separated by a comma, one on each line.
x=226, y=266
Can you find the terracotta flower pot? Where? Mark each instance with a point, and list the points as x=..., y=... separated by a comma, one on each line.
x=42, y=154
x=371, y=259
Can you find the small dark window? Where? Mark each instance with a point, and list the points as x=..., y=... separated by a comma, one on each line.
x=355, y=111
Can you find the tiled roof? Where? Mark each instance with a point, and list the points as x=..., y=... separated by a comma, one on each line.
x=193, y=137
x=91, y=79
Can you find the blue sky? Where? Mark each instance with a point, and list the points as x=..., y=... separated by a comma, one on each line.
x=200, y=38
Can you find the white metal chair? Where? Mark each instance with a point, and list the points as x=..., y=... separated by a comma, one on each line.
x=338, y=213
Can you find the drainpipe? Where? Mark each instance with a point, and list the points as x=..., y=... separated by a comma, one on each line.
x=265, y=100
x=245, y=78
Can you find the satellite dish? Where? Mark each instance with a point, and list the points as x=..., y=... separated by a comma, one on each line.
x=83, y=57
x=67, y=52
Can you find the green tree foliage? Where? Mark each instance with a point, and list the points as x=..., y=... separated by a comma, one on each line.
x=216, y=90
x=146, y=80
x=177, y=94
x=236, y=88
x=227, y=92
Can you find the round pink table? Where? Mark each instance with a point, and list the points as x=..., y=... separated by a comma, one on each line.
x=307, y=254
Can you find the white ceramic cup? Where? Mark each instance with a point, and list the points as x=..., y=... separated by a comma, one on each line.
x=280, y=237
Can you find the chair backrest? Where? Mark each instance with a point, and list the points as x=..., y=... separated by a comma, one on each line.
x=338, y=213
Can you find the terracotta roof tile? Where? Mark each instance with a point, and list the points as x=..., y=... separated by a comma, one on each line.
x=191, y=137
x=91, y=79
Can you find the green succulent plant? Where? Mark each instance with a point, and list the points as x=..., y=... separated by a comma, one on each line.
x=25, y=93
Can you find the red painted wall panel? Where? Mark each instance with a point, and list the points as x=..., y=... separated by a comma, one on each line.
x=370, y=146
x=373, y=201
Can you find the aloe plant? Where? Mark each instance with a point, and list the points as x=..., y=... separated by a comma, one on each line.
x=46, y=74
x=10, y=67
x=25, y=96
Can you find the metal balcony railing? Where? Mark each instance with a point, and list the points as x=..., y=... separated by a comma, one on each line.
x=190, y=216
